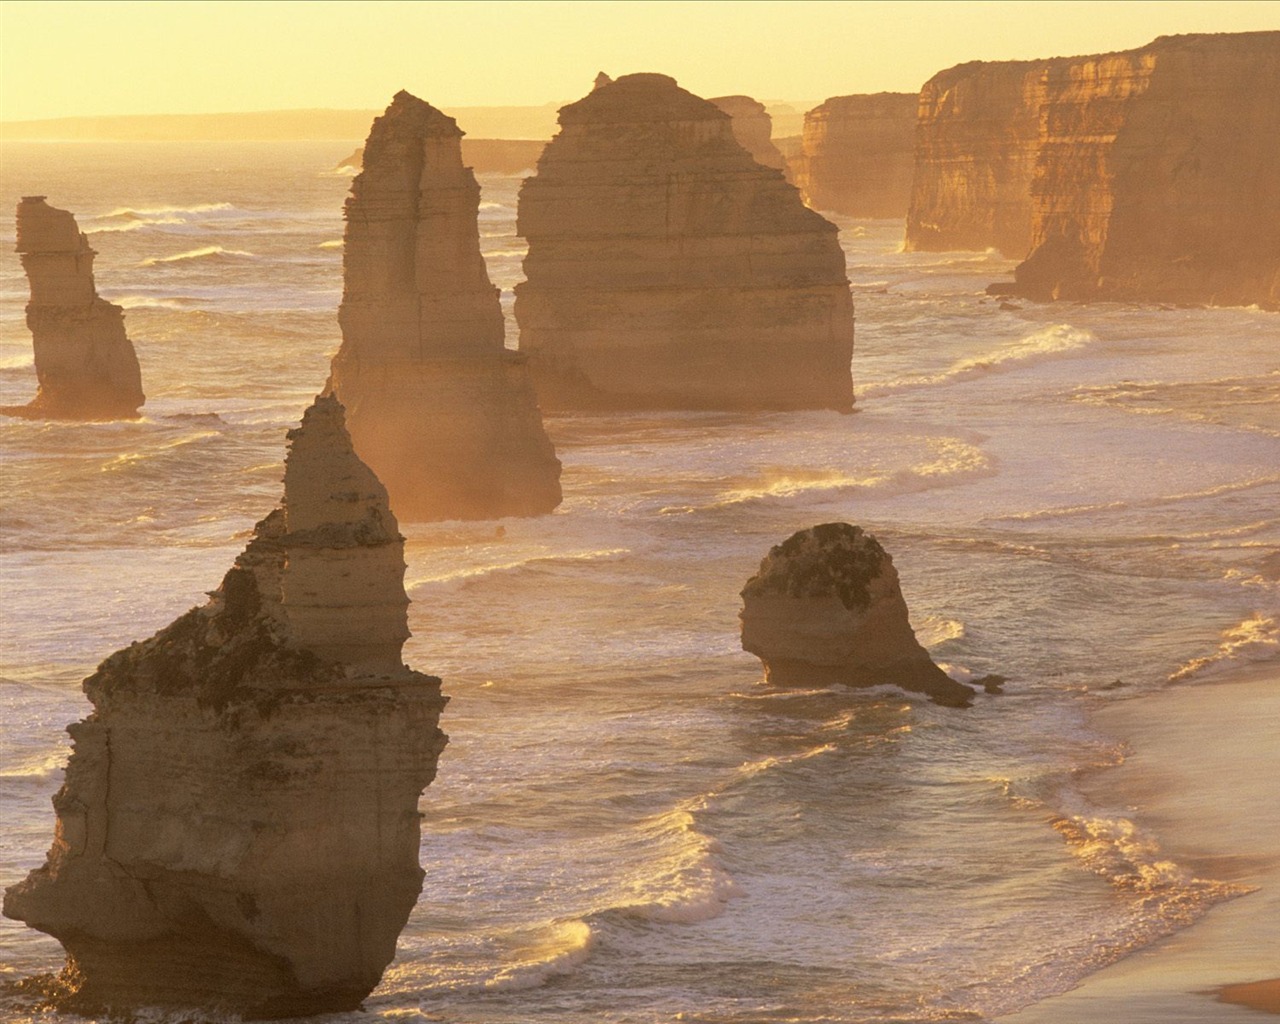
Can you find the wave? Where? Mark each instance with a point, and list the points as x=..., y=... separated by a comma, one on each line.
x=204, y=252
x=1255, y=639
x=128, y=218
x=475, y=572
x=18, y=361
x=334, y=243
x=146, y=302
x=1047, y=343
x=37, y=767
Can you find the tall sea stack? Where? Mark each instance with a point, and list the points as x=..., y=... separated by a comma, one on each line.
x=85, y=363
x=238, y=830
x=437, y=406
x=668, y=269
x=858, y=155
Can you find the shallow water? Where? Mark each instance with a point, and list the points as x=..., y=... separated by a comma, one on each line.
x=627, y=825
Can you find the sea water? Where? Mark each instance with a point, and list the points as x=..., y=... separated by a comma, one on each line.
x=628, y=826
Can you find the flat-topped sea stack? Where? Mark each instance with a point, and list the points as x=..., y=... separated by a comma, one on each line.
x=1159, y=175
x=85, y=364
x=753, y=128
x=238, y=830
x=858, y=155
x=826, y=609
x=667, y=269
x=437, y=405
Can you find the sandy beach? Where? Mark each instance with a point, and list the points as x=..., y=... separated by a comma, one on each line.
x=1200, y=775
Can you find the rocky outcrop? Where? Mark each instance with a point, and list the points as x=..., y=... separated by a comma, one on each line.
x=238, y=830
x=483, y=156
x=85, y=364
x=753, y=128
x=858, y=155
x=826, y=609
x=977, y=142
x=1157, y=178
x=668, y=269
x=441, y=410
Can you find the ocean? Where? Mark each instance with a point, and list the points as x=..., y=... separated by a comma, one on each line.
x=628, y=825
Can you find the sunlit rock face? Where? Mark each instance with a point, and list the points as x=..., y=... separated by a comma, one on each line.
x=1159, y=175
x=437, y=406
x=859, y=153
x=825, y=608
x=238, y=830
x=85, y=364
x=753, y=128
x=668, y=269
x=978, y=138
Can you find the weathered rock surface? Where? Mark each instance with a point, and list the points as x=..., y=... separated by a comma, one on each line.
x=753, y=128
x=85, y=364
x=238, y=829
x=859, y=154
x=1158, y=177
x=825, y=609
x=668, y=269
x=437, y=406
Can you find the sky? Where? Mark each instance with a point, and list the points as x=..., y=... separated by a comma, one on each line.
x=65, y=58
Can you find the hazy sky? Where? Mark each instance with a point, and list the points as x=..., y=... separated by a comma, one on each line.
x=60, y=58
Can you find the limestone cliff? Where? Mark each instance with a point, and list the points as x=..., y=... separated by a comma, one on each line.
x=977, y=142
x=85, y=364
x=753, y=128
x=438, y=407
x=238, y=830
x=858, y=154
x=1158, y=177
x=668, y=269
x=826, y=609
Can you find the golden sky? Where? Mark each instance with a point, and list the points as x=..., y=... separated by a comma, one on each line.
x=62, y=58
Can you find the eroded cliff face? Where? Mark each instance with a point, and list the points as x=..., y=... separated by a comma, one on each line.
x=668, y=269
x=826, y=609
x=238, y=830
x=978, y=138
x=1158, y=176
x=85, y=364
x=753, y=128
x=437, y=406
x=858, y=154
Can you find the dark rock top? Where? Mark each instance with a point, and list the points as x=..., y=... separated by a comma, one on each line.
x=831, y=559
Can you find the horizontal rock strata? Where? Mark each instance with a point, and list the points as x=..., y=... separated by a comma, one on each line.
x=238, y=830
x=440, y=409
x=826, y=609
x=85, y=364
x=668, y=269
x=859, y=154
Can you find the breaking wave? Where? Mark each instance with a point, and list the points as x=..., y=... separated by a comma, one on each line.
x=1255, y=639
x=205, y=252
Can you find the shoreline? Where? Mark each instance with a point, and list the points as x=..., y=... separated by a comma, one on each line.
x=1199, y=774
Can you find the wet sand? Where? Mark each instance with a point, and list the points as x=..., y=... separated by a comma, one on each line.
x=1201, y=773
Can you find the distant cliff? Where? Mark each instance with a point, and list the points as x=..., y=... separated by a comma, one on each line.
x=484, y=156
x=753, y=128
x=858, y=153
x=1150, y=174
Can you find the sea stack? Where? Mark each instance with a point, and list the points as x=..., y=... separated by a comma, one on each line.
x=437, y=406
x=238, y=830
x=85, y=363
x=667, y=269
x=1159, y=175
x=753, y=128
x=826, y=609
x=858, y=155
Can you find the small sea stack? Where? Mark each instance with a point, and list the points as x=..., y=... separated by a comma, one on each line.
x=85, y=364
x=238, y=829
x=858, y=155
x=667, y=269
x=826, y=608
x=437, y=405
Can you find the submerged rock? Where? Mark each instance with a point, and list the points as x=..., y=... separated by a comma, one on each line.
x=436, y=404
x=668, y=269
x=238, y=830
x=85, y=364
x=825, y=608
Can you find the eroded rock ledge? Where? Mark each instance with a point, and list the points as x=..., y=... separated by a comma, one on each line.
x=238, y=830
x=825, y=608
x=85, y=364
x=438, y=407
x=668, y=269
